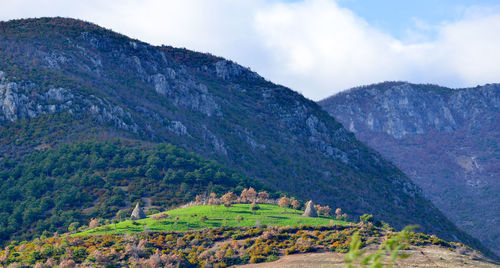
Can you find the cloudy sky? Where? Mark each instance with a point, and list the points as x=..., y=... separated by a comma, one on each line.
x=316, y=47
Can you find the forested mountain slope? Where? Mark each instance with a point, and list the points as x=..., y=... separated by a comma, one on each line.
x=50, y=189
x=66, y=80
x=446, y=140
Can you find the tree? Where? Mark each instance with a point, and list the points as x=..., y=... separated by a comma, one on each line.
x=326, y=211
x=228, y=198
x=366, y=218
x=338, y=212
x=243, y=195
x=262, y=196
x=317, y=207
x=73, y=226
x=254, y=206
x=94, y=223
x=284, y=202
x=198, y=198
x=212, y=201
x=153, y=173
x=251, y=194
x=121, y=215
x=115, y=221
x=295, y=203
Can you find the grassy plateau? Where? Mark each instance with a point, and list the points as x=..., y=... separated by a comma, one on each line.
x=200, y=217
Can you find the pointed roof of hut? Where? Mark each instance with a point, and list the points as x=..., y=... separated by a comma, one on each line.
x=310, y=210
x=138, y=213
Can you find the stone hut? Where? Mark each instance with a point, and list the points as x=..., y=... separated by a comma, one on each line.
x=310, y=210
x=138, y=213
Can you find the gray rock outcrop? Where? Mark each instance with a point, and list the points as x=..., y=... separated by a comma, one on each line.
x=446, y=140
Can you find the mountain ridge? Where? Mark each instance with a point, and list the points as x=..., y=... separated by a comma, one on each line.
x=446, y=140
x=201, y=103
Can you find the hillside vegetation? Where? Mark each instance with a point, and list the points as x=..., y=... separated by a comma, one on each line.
x=201, y=217
x=213, y=247
x=50, y=189
x=57, y=73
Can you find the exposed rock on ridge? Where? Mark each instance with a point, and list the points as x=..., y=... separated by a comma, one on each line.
x=218, y=109
x=446, y=140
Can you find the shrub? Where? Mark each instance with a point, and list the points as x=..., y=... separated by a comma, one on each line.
x=326, y=211
x=228, y=198
x=220, y=265
x=257, y=258
x=254, y=206
x=272, y=258
x=284, y=202
x=153, y=211
x=262, y=196
x=73, y=226
x=160, y=216
x=295, y=203
x=366, y=218
x=290, y=250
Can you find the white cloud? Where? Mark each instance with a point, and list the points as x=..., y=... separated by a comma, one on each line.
x=313, y=46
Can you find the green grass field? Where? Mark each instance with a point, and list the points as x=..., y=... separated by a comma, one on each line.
x=191, y=218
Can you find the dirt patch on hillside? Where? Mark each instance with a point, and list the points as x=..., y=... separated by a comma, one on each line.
x=431, y=256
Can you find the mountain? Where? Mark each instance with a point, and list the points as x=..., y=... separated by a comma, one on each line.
x=445, y=140
x=66, y=81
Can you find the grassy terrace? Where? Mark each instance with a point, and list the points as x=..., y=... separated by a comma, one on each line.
x=216, y=216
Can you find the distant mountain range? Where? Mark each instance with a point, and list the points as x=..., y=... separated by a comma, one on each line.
x=446, y=140
x=66, y=81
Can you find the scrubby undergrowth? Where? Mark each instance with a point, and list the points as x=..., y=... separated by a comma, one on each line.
x=219, y=247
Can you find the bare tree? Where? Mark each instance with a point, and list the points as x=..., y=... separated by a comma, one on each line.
x=251, y=194
x=284, y=202
x=295, y=203
x=262, y=196
x=243, y=196
x=229, y=198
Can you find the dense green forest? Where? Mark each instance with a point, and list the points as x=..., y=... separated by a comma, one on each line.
x=50, y=189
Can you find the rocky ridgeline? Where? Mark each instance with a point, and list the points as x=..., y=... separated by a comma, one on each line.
x=214, y=107
x=403, y=109
x=445, y=140
x=22, y=101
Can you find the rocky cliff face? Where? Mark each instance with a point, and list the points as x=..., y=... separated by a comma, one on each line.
x=126, y=88
x=18, y=102
x=445, y=140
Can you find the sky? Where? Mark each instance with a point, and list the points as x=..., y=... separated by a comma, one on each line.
x=316, y=47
